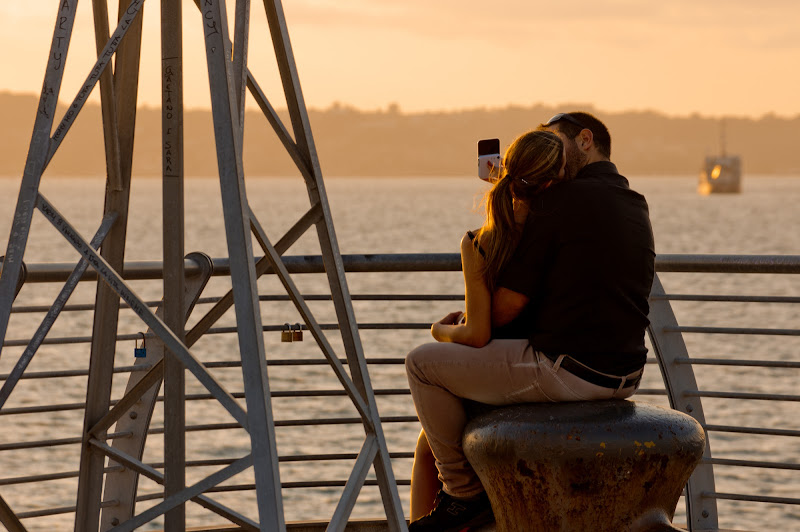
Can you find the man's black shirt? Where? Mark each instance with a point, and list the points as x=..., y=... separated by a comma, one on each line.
x=586, y=261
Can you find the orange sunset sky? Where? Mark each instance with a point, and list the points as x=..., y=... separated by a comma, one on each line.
x=714, y=57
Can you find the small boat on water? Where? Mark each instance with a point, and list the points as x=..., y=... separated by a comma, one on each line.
x=721, y=173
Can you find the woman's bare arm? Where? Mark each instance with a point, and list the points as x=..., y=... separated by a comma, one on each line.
x=476, y=331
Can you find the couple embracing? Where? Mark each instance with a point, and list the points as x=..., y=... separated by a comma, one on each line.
x=556, y=288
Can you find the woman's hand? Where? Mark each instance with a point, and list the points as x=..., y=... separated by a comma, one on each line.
x=442, y=329
x=453, y=318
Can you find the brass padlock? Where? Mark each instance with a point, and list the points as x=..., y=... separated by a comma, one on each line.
x=286, y=333
x=297, y=333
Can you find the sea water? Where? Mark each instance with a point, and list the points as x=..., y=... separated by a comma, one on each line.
x=398, y=215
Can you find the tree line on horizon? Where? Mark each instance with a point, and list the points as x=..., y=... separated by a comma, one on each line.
x=352, y=142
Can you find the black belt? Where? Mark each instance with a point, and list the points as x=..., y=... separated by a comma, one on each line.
x=595, y=377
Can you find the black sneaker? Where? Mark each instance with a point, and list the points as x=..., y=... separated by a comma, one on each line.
x=451, y=514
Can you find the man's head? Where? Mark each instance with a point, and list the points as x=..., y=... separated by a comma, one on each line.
x=586, y=139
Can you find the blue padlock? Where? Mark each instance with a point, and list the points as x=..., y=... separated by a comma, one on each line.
x=140, y=352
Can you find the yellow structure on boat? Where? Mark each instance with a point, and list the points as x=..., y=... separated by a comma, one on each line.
x=720, y=174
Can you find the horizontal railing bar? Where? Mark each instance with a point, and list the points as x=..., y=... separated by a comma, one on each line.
x=788, y=466
x=719, y=298
x=199, y=463
x=40, y=409
x=752, y=430
x=252, y=487
x=75, y=372
x=734, y=330
x=291, y=423
x=54, y=443
x=152, y=270
x=51, y=476
x=341, y=456
x=750, y=498
x=369, y=297
x=210, y=365
x=43, y=409
x=728, y=263
x=282, y=459
x=334, y=327
x=303, y=362
x=228, y=364
x=76, y=307
x=741, y=395
x=59, y=511
x=726, y=298
x=424, y=262
x=19, y=342
x=782, y=364
x=400, y=326
x=301, y=393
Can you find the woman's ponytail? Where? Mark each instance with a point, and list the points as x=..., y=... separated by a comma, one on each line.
x=499, y=235
x=531, y=164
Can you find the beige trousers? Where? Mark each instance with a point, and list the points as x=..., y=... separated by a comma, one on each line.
x=503, y=372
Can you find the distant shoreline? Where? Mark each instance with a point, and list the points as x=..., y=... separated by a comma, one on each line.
x=351, y=142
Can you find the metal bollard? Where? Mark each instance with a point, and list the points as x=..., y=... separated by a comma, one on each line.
x=604, y=466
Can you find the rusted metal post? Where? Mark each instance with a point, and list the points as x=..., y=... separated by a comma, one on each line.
x=599, y=465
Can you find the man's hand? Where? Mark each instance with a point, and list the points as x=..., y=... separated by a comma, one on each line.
x=506, y=305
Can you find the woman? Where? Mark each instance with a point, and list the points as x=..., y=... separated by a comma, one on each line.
x=470, y=360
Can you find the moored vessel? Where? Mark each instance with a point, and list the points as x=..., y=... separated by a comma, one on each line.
x=721, y=173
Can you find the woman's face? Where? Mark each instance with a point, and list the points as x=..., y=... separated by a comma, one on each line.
x=563, y=171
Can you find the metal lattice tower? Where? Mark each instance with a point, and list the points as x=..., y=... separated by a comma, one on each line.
x=229, y=80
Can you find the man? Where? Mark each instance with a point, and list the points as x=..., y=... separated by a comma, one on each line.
x=578, y=285
x=585, y=263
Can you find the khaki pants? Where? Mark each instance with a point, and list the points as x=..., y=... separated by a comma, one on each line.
x=500, y=373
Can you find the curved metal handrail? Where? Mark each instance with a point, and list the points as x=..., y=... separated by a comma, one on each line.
x=668, y=345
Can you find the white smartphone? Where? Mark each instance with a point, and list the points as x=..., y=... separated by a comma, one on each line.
x=489, y=159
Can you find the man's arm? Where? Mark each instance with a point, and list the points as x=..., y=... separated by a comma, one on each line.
x=506, y=305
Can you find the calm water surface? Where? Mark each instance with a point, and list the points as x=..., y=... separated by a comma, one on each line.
x=402, y=215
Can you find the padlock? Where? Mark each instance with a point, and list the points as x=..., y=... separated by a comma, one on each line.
x=140, y=352
x=297, y=333
x=286, y=333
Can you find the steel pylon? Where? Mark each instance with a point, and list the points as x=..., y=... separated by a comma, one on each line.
x=169, y=344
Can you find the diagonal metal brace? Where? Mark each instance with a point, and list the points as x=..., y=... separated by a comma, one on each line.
x=115, y=281
x=103, y=60
x=50, y=318
x=311, y=217
x=280, y=269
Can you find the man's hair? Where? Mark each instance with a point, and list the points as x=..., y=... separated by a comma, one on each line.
x=602, y=139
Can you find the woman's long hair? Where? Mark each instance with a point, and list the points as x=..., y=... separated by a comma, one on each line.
x=530, y=165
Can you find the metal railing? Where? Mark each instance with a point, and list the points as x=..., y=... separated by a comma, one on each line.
x=689, y=384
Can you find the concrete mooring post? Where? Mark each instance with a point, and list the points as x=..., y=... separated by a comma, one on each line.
x=601, y=465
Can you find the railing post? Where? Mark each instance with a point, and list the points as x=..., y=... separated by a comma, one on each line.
x=701, y=511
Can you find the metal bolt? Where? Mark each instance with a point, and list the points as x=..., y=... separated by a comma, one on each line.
x=133, y=415
x=114, y=522
x=689, y=408
x=705, y=513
